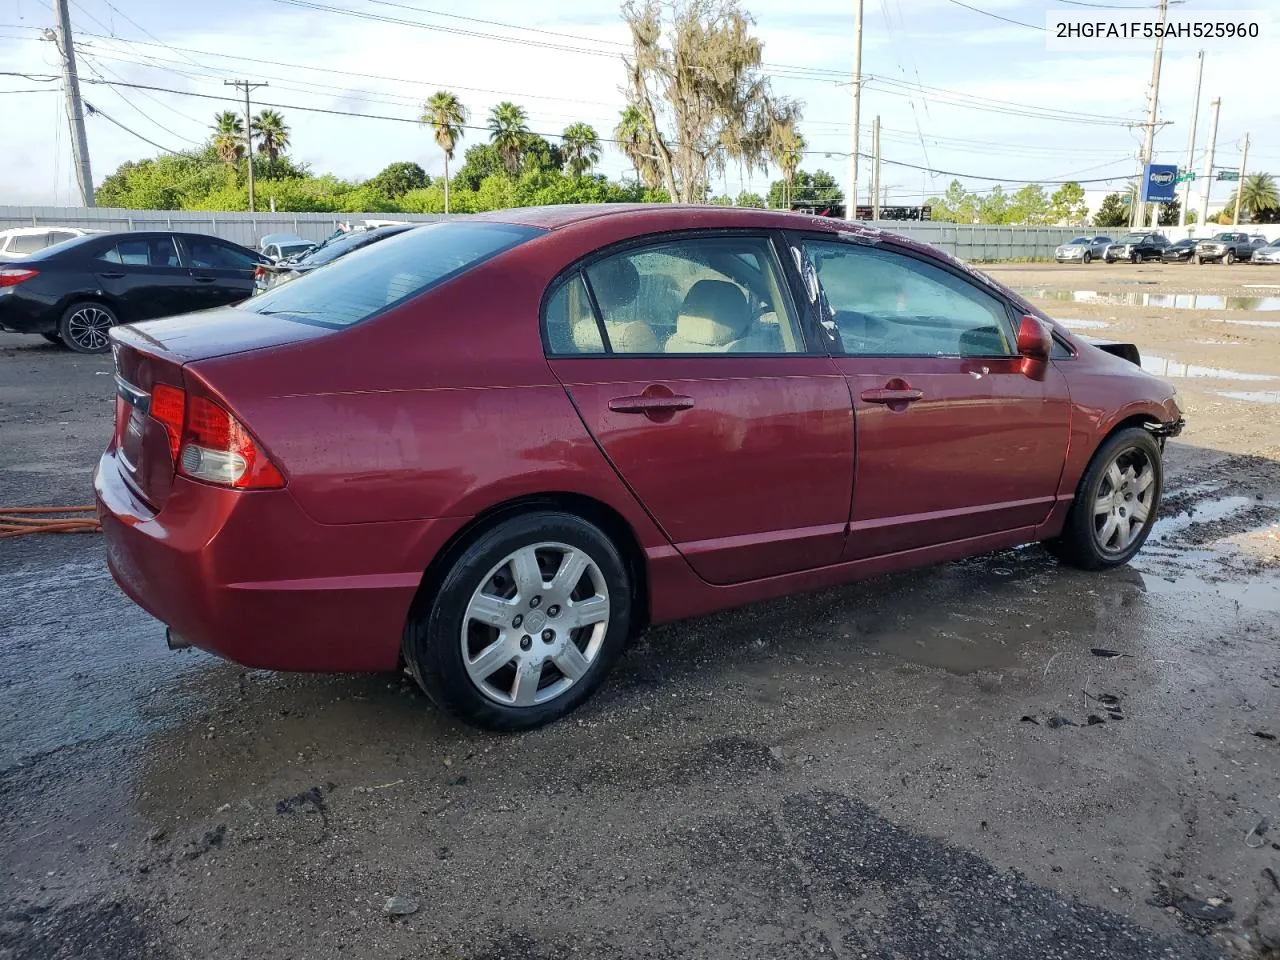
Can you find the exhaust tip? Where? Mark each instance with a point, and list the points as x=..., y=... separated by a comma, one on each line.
x=175, y=641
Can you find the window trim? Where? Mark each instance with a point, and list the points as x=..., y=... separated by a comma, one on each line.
x=1009, y=308
x=580, y=265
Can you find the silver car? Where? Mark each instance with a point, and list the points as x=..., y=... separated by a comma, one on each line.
x=1268, y=254
x=1081, y=249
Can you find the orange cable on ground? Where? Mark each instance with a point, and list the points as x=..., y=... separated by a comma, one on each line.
x=20, y=521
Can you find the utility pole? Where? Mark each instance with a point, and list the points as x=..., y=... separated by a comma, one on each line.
x=75, y=106
x=247, y=86
x=1244, y=159
x=1208, y=164
x=1191, y=143
x=875, y=172
x=1139, y=214
x=851, y=197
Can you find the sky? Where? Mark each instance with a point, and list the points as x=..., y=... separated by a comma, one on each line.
x=950, y=84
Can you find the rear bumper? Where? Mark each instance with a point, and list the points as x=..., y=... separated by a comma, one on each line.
x=20, y=315
x=248, y=576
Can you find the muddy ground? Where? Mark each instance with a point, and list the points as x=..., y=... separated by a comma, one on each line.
x=931, y=765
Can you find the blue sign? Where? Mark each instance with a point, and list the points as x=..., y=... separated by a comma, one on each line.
x=1159, y=181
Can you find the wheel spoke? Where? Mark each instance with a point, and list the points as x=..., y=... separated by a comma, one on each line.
x=1115, y=477
x=1108, y=531
x=525, y=572
x=1124, y=525
x=572, y=567
x=1139, y=511
x=584, y=613
x=1145, y=479
x=528, y=675
x=571, y=661
x=492, y=658
x=1103, y=504
x=492, y=610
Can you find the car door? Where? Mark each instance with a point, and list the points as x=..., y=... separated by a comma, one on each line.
x=144, y=276
x=688, y=363
x=221, y=272
x=954, y=440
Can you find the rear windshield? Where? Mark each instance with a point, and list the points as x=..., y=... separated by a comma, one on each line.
x=383, y=274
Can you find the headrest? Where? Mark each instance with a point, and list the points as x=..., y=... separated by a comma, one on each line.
x=616, y=283
x=715, y=313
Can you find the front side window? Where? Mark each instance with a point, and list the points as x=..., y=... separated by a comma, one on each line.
x=368, y=281
x=692, y=296
x=209, y=254
x=889, y=304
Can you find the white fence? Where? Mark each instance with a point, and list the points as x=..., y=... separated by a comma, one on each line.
x=967, y=241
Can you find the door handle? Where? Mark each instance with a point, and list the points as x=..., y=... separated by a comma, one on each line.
x=650, y=404
x=205, y=279
x=111, y=276
x=887, y=395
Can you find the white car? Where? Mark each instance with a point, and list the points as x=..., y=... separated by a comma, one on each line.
x=20, y=242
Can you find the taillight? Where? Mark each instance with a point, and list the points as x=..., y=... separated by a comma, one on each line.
x=167, y=406
x=12, y=276
x=209, y=444
x=259, y=272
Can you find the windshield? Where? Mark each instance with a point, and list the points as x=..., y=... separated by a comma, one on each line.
x=289, y=249
x=1224, y=236
x=1133, y=238
x=1078, y=240
x=384, y=274
x=352, y=241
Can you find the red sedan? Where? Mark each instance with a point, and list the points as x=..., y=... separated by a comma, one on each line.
x=492, y=450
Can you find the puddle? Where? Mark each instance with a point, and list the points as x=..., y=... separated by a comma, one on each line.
x=1168, y=301
x=1250, y=323
x=951, y=651
x=1206, y=511
x=1164, y=367
x=1252, y=396
x=1082, y=324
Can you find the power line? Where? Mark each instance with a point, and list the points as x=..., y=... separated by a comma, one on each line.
x=94, y=111
x=996, y=16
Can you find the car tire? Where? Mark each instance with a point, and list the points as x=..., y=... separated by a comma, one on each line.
x=84, y=325
x=55, y=339
x=1229, y=257
x=1200, y=261
x=1135, y=257
x=1093, y=538
x=452, y=649
x=1088, y=257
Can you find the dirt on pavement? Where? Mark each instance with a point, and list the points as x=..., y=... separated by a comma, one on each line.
x=996, y=758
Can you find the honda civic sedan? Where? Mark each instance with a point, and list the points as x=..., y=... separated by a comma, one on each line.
x=490, y=451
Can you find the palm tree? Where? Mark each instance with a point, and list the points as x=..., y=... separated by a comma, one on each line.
x=788, y=159
x=228, y=137
x=636, y=143
x=1257, y=193
x=445, y=114
x=508, y=130
x=272, y=134
x=581, y=147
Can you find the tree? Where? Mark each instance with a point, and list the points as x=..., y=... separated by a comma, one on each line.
x=812, y=190
x=1112, y=212
x=508, y=128
x=483, y=160
x=994, y=207
x=581, y=147
x=696, y=79
x=399, y=178
x=746, y=199
x=1258, y=196
x=1067, y=205
x=272, y=134
x=1029, y=205
x=1170, y=210
x=446, y=115
x=789, y=152
x=228, y=137
x=635, y=140
x=957, y=205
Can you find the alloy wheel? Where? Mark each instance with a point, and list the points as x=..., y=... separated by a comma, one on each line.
x=535, y=625
x=87, y=328
x=1125, y=500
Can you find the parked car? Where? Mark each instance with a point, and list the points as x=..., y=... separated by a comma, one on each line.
x=272, y=275
x=493, y=449
x=283, y=246
x=1267, y=254
x=1181, y=251
x=73, y=293
x=19, y=242
x=1225, y=247
x=1082, y=249
x=1137, y=247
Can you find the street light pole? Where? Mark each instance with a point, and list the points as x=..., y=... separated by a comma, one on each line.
x=1191, y=143
x=851, y=198
x=1208, y=164
x=1139, y=214
x=1244, y=159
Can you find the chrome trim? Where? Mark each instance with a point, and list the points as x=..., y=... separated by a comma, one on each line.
x=132, y=395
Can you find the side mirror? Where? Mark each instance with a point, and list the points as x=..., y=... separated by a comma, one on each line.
x=1035, y=344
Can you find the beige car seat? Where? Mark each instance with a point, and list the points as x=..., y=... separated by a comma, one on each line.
x=616, y=284
x=715, y=318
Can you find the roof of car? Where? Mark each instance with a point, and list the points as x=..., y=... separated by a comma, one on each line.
x=564, y=215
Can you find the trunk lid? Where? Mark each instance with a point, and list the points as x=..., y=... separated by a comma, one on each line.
x=153, y=353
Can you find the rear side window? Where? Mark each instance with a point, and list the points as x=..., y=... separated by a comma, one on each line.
x=571, y=323
x=157, y=252
x=355, y=287
x=28, y=243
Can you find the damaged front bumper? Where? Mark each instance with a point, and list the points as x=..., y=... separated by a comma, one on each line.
x=1163, y=431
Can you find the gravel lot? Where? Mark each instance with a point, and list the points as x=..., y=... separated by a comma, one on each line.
x=931, y=765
